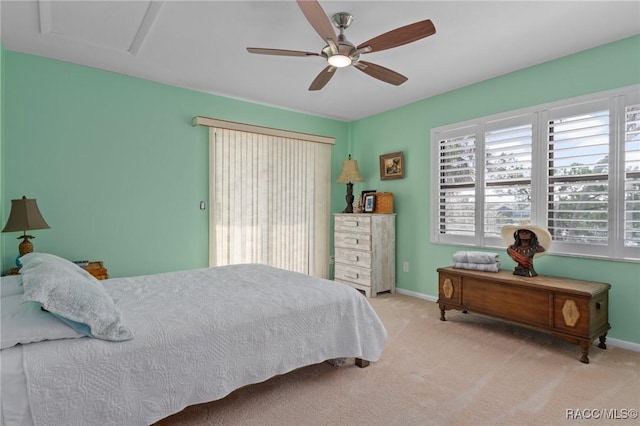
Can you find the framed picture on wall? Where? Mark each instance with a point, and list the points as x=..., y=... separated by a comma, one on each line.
x=392, y=166
x=369, y=203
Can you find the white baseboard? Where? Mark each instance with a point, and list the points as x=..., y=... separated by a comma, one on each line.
x=623, y=344
x=635, y=347
x=417, y=295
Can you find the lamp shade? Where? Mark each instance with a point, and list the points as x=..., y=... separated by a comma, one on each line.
x=350, y=172
x=24, y=216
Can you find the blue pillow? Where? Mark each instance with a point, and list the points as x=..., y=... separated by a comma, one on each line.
x=73, y=295
x=24, y=323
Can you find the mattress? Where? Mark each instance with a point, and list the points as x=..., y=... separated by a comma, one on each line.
x=198, y=335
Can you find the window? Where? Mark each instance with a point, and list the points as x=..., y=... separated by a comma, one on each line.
x=457, y=185
x=507, y=174
x=632, y=176
x=578, y=187
x=268, y=194
x=571, y=166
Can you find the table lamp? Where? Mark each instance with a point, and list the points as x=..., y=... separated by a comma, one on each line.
x=349, y=174
x=24, y=216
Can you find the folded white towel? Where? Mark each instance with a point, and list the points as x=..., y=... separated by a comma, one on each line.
x=475, y=257
x=487, y=267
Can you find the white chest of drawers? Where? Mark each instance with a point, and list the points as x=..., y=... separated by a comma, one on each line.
x=365, y=251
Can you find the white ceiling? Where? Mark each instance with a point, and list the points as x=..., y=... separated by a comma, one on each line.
x=202, y=44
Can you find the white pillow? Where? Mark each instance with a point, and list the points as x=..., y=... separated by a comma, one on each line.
x=11, y=285
x=26, y=323
x=72, y=294
x=34, y=259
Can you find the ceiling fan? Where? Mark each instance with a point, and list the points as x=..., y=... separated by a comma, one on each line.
x=339, y=52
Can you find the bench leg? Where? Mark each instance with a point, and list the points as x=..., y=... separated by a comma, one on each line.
x=603, y=341
x=585, y=351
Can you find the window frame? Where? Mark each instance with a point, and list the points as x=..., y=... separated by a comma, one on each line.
x=615, y=100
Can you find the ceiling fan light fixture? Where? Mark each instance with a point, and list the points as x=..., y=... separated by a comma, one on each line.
x=339, y=61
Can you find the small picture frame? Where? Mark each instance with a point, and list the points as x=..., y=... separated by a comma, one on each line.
x=369, y=203
x=364, y=194
x=392, y=166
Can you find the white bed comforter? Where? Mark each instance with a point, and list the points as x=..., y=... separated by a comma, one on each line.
x=199, y=335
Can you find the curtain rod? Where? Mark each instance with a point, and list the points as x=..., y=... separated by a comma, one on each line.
x=232, y=125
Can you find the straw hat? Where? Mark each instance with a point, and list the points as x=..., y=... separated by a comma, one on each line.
x=544, y=237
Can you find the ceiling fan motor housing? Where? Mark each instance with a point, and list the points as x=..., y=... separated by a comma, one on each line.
x=344, y=48
x=342, y=20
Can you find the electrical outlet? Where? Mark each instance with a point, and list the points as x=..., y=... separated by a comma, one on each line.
x=405, y=266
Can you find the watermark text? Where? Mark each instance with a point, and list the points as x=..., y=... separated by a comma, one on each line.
x=601, y=413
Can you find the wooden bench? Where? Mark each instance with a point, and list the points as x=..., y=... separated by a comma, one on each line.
x=574, y=310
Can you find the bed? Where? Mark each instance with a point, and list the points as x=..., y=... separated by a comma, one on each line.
x=184, y=338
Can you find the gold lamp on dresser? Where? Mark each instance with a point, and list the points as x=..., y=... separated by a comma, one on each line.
x=349, y=174
x=24, y=216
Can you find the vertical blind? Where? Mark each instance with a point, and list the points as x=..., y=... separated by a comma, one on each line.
x=269, y=196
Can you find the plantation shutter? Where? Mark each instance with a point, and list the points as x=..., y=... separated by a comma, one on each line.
x=572, y=166
x=507, y=175
x=578, y=175
x=632, y=176
x=457, y=185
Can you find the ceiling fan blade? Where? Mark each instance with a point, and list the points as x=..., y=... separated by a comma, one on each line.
x=318, y=19
x=381, y=73
x=280, y=52
x=323, y=78
x=399, y=36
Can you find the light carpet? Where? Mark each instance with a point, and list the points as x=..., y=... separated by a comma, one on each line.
x=468, y=370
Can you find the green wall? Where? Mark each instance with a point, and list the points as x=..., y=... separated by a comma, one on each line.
x=116, y=165
x=119, y=171
x=408, y=129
